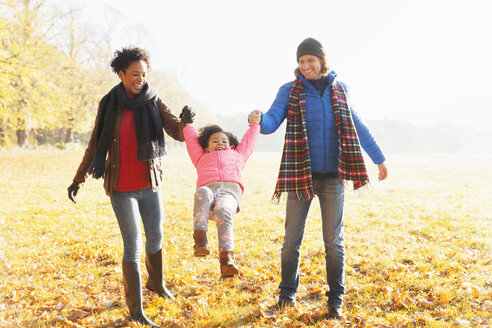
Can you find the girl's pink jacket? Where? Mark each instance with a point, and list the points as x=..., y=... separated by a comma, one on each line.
x=222, y=165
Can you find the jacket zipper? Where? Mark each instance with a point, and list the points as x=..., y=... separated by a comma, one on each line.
x=324, y=131
x=218, y=165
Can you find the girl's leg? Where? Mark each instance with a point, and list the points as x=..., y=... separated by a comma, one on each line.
x=224, y=208
x=204, y=199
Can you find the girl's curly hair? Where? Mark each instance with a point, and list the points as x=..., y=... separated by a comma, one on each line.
x=205, y=133
x=124, y=57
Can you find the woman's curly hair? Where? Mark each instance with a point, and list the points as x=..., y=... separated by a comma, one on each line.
x=205, y=133
x=124, y=57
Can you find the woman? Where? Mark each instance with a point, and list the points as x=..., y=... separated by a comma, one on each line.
x=126, y=145
x=321, y=151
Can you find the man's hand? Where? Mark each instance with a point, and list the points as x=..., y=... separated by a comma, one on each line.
x=383, y=172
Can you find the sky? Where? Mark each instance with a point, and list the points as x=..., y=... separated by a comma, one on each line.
x=421, y=61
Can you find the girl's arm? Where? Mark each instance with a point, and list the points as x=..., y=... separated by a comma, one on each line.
x=192, y=145
x=247, y=144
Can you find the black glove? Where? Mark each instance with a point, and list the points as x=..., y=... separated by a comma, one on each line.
x=72, y=191
x=187, y=114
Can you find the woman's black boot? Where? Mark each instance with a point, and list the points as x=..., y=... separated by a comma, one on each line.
x=153, y=262
x=133, y=293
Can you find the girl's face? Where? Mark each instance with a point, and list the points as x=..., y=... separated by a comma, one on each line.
x=310, y=67
x=134, y=78
x=217, y=141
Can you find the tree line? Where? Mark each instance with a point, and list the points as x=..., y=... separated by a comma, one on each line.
x=394, y=137
x=57, y=69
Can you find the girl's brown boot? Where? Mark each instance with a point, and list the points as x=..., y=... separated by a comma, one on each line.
x=201, y=248
x=227, y=267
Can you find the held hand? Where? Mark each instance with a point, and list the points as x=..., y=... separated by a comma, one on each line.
x=73, y=189
x=187, y=114
x=254, y=117
x=383, y=172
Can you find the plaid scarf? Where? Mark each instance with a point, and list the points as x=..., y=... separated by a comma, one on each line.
x=350, y=161
x=295, y=167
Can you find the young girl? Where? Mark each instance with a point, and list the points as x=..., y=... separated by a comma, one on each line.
x=219, y=161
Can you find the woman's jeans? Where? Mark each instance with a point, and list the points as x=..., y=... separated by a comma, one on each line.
x=331, y=194
x=129, y=207
x=224, y=206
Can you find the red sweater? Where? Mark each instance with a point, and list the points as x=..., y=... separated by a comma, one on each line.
x=133, y=174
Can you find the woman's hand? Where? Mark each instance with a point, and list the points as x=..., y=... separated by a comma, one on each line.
x=254, y=117
x=72, y=191
x=383, y=172
x=187, y=114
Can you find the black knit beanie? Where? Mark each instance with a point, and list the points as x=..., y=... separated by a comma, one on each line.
x=310, y=46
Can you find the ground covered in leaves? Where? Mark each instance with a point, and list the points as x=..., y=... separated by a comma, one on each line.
x=418, y=249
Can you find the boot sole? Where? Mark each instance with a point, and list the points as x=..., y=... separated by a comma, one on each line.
x=201, y=252
x=227, y=277
x=230, y=273
x=160, y=293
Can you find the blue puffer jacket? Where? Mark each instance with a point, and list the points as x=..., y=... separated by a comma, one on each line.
x=320, y=125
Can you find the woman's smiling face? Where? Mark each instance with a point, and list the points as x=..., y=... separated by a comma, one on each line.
x=310, y=67
x=134, y=78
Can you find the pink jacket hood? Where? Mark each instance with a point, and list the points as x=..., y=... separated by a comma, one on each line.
x=223, y=165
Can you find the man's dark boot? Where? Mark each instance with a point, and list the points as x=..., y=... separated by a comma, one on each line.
x=281, y=304
x=201, y=248
x=227, y=267
x=334, y=312
x=133, y=293
x=153, y=262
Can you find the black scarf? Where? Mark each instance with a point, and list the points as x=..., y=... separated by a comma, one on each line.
x=320, y=84
x=148, y=126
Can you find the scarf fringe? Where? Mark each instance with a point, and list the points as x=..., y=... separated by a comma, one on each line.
x=97, y=168
x=151, y=150
x=304, y=194
x=276, y=198
x=360, y=192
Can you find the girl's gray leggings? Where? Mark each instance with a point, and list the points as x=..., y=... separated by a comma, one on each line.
x=223, y=205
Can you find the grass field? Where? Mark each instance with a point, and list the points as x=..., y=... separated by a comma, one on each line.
x=418, y=249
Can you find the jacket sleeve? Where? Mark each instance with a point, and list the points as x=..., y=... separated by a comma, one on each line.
x=81, y=175
x=366, y=138
x=171, y=124
x=271, y=120
x=247, y=144
x=192, y=145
